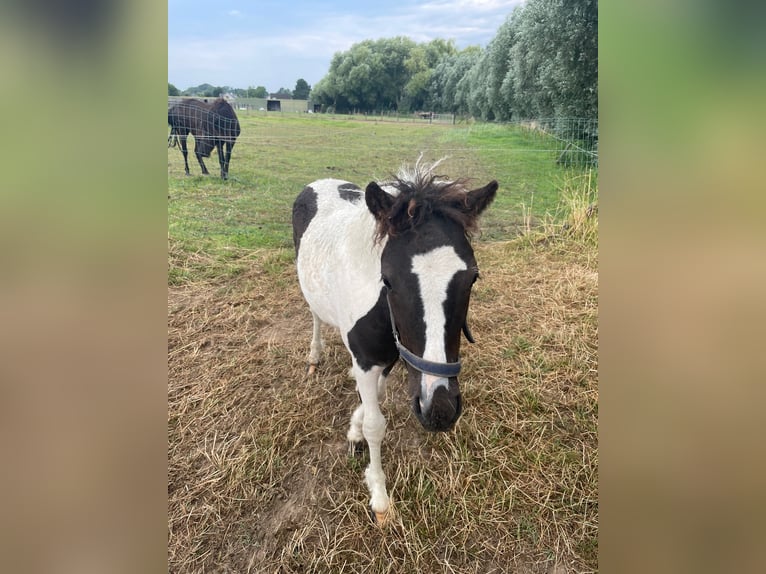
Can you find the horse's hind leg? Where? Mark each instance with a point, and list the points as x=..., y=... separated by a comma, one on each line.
x=354, y=435
x=197, y=144
x=317, y=344
x=202, y=165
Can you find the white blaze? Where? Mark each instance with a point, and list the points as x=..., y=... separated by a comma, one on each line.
x=434, y=271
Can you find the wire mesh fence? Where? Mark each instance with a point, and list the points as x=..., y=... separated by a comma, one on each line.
x=577, y=138
x=565, y=142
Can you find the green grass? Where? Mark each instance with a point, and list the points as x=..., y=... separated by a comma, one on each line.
x=524, y=162
x=276, y=156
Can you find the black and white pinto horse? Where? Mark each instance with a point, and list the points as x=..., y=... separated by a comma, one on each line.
x=392, y=268
x=213, y=125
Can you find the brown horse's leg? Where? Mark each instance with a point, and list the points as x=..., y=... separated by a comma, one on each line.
x=229, y=145
x=221, y=158
x=199, y=155
x=185, y=152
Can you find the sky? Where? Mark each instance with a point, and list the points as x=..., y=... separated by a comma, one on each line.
x=273, y=43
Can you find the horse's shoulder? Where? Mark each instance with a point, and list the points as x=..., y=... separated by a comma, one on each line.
x=337, y=193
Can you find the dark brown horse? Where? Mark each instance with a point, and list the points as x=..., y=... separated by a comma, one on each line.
x=212, y=125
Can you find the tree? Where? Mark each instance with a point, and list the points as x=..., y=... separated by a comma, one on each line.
x=197, y=90
x=284, y=93
x=445, y=77
x=302, y=90
x=499, y=100
x=473, y=89
x=370, y=76
x=542, y=63
x=172, y=90
x=215, y=92
x=420, y=65
x=554, y=61
x=259, y=92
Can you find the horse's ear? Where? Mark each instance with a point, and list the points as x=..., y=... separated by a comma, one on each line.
x=378, y=201
x=478, y=200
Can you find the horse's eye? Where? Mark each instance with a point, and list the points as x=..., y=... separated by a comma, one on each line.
x=386, y=282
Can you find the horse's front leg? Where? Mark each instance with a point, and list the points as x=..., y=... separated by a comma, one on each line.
x=373, y=425
x=227, y=159
x=221, y=158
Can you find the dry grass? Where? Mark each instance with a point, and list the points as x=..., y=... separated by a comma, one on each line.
x=259, y=475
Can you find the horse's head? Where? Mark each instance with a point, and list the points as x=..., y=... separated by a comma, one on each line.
x=428, y=268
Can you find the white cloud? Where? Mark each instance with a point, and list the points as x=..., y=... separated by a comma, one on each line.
x=467, y=6
x=240, y=57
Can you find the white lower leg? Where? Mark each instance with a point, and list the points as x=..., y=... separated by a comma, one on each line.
x=374, y=476
x=373, y=429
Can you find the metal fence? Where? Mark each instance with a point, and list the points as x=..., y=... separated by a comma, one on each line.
x=568, y=141
x=577, y=138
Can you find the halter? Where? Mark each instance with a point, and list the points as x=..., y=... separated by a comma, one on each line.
x=445, y=370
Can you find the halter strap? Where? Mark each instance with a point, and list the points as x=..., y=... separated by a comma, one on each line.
x=445, y=370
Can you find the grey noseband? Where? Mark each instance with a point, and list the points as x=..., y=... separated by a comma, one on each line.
x=445, y=370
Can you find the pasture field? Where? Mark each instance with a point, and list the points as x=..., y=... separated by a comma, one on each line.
x=259, y=476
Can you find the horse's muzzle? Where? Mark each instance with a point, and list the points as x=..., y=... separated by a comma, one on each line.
x=442, y=413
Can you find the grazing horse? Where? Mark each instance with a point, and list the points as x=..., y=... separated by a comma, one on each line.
x=212, y=125
x=392, y=268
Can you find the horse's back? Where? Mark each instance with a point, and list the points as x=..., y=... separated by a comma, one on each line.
x=215, y=119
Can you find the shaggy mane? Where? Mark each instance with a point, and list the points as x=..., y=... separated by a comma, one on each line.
x=423, y=194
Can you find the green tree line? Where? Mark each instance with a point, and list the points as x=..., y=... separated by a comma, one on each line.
x=301, y=91
x=542, y=63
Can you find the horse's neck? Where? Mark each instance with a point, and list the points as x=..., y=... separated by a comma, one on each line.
x=362, y=251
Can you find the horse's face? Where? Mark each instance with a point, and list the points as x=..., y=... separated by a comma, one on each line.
x=429, y=281
x=428, y=272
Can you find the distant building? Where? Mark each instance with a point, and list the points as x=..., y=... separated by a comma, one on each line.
x=270, y=104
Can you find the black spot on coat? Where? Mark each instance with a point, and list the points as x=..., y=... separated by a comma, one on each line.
x=304, y=210
x=350, y=192
x=371, y=339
